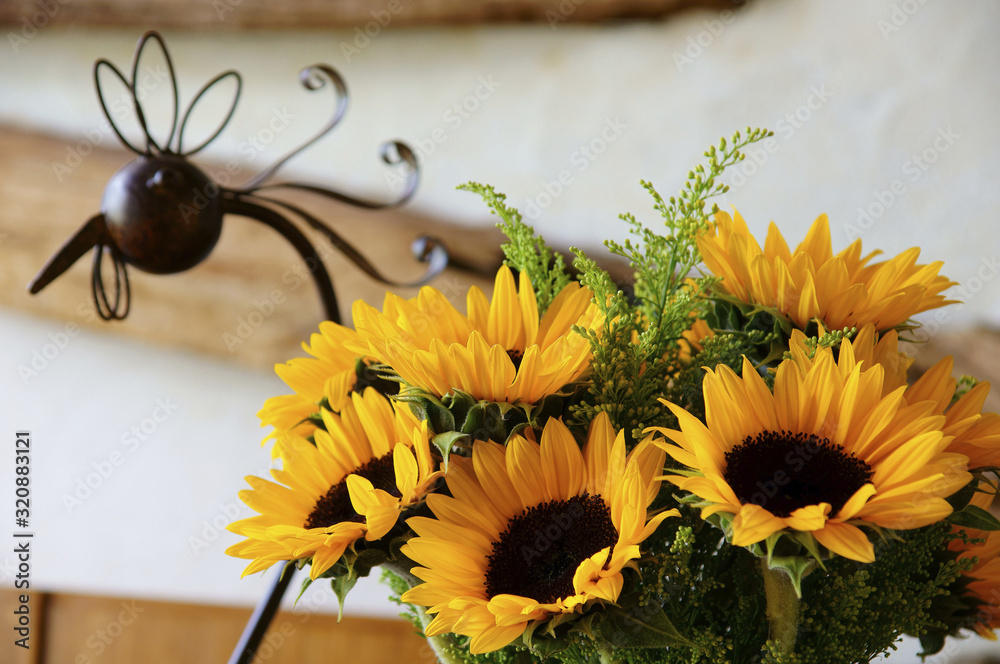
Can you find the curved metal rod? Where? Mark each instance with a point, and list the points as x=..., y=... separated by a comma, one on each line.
x=104, y=105
x=403, y=155
x=123, y=294
x=310, y=79
x=136, y=57
x=426, y=249
x=229, y=116
x=235, y=204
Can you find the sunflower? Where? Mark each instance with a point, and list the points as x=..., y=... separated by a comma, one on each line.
x=974, y=433
x=984, y=586
x=845, y=290
x=330, y=375
x=533, y=531
x=371, y=461
x=827, y=451
x=500, y=352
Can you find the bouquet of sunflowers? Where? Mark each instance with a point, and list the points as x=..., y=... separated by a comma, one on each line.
x=723, y=461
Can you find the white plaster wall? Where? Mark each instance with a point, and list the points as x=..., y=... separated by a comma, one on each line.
x=878, y=98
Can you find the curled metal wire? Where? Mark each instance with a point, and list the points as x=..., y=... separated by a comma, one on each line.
x=105, y=232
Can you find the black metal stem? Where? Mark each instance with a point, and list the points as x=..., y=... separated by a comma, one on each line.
x=262, y=616
x=260, y=620
x=236, y=204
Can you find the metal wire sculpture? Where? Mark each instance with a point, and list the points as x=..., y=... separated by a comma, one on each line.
x=162, y=214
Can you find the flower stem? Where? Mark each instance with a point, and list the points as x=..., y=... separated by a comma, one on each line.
x=442, y=646
x=604, y=653
x=782, y=607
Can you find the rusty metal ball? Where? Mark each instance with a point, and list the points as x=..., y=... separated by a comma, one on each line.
x=163, y=214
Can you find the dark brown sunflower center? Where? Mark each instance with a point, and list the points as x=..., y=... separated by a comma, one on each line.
x=782, y=472
x=335, y=505
x=515, y=357
x=538, y=553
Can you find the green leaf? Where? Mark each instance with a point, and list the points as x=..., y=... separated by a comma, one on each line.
x=974, y=517
x=642, y=627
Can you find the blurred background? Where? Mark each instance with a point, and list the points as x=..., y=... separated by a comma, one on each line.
x=884, y=114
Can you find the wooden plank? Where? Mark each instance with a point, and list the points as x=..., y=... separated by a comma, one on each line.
x=314, y=14
x=209, y=308
x=104, y=630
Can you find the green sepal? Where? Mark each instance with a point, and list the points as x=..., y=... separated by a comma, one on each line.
x=305, y=584
x=960, y=499
x=445, y=443
x=732, y=315
x=396, y=547
x=366, y=559
x=427, y=407
x=549, y=647
x=974, y=517
x=459, y=404
x=932, y=643
x=352, y=566
x=795, y=552
x=544, y=647
x=342, y=585
x=796, y=567
x=784, y=550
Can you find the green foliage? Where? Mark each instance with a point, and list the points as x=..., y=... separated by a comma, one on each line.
x=856, y=612
x=964, y=384
x=525, y=251
x=636, y=354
